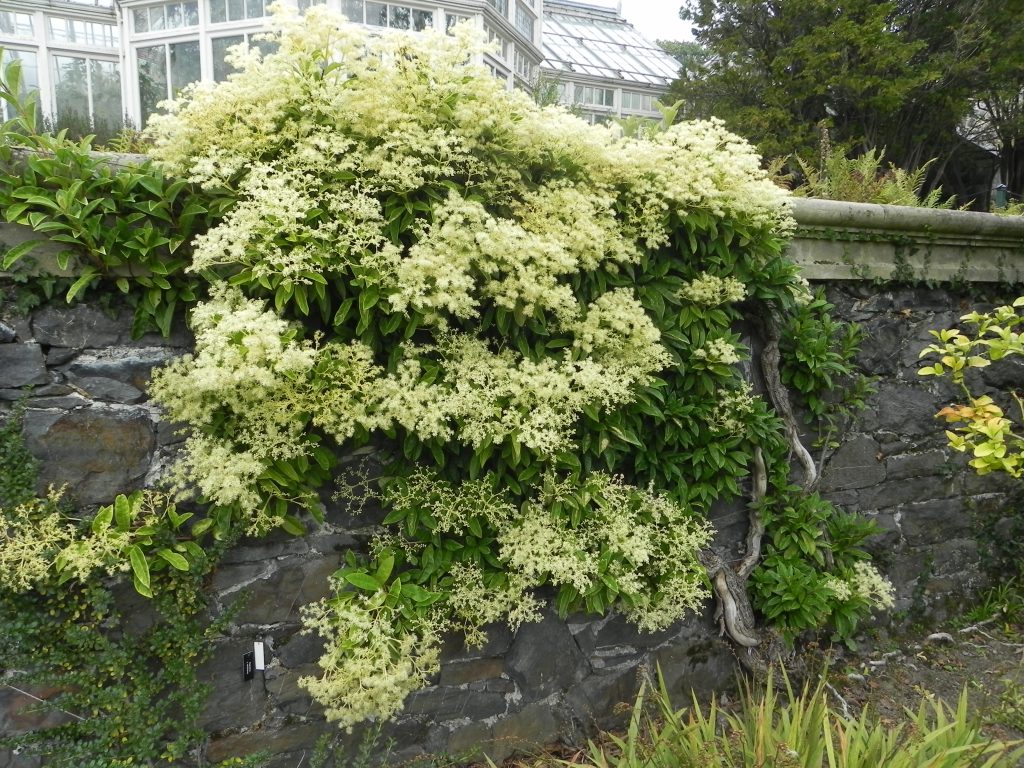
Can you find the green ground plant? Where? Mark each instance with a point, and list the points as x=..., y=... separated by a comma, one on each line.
x=533, y=318
x=865, y=179
x=119, y=691
x=785, y=727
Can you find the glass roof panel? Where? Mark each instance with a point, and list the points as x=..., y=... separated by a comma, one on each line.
x=597, y=42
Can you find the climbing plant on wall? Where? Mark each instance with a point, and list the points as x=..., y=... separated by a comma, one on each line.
x=534, y=320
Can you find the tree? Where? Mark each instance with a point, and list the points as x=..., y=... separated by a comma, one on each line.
x=903, y=75
x=999, y=113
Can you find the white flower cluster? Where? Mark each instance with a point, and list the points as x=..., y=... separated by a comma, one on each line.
x=251, y=388
x=39, y=541
x=316, y=137
x=865, y=583
x=717, y=350
x=644, y=541
x=710, y=290
x=648, y=542
x=872, y=586
x=476, y=603
x=31, y=535
x=467, y=255
x=386, y=163
x=240, y=394
x=732, y=409
x=371, y=662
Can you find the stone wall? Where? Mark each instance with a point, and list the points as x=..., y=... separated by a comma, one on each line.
x=88, y=420
x=83, y=382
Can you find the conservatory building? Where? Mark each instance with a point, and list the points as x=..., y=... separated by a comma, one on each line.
x=99, y=63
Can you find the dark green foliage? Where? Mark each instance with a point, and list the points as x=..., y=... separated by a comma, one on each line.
x=808, y=541
x=900, y=75
x=18, y=467
x=818, y=364
x=132, y=687
x=126, y=229
x=124, y=670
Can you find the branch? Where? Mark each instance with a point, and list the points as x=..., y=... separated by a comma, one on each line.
x=770, y=358
x=756, y=530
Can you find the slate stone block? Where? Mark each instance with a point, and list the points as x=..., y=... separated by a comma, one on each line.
x=530, y=729
x=856, y=464
x=99, y=451
x=533, y=665
x=22, y=365
x=80, y=326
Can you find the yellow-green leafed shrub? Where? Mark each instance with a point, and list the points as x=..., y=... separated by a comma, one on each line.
x=980, y=427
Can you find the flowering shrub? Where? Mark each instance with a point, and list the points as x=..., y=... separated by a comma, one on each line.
x=534, y=315
x=537, y=312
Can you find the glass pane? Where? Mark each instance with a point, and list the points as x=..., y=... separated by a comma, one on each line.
x=450, y=20
x=236, y=10
x=400, y=17
x=192, y=14
x=71, y=91
x=58, y=29
x=353, y=10
x=254, y=8
x=29, y=75
x=524, y=22
x=141, y=18
x=422, y=20
x=152, y=78
x=175, y=18
x=184, y=64
x=17, y=24
x=221, y=69
x=156, y=18
x=377, y=14
x=218, y=11
x=107, y=114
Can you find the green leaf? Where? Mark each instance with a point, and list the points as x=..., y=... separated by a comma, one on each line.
x=15, y=253
x=102, y=519
x=140, y=568
x=363, y=581
x=385, y=564
x=293, y=525
x=418, y=594
x=82, y=282
x=173, y=559
x=141, y=588
x=122, y=512
x=566, y=597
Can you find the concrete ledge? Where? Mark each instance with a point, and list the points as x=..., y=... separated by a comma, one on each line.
x=837, y=240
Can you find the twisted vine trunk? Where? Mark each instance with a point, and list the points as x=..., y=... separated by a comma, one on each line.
x=733, y=610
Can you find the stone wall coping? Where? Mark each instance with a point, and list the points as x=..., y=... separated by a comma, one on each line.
x=838, y=240
x=813, y=213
